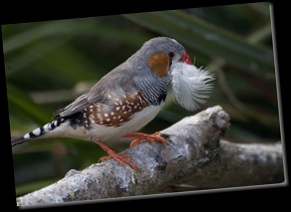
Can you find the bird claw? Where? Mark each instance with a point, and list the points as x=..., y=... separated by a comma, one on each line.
x=142, y=136
x=122, y=159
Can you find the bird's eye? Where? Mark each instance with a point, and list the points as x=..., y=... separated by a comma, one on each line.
x=171, y=54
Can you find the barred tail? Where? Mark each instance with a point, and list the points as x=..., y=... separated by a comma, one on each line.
x=39, y=132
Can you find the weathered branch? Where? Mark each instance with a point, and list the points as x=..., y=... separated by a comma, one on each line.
x=239, y=165
x=195, y=155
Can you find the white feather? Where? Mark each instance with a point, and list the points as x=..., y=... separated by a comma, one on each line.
x=190, y=85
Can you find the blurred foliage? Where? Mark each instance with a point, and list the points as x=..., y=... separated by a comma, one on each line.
x=49, y=63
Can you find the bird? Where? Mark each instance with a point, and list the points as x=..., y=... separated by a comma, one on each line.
x=121, y=103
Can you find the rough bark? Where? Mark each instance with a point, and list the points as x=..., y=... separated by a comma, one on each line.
x=194, y=156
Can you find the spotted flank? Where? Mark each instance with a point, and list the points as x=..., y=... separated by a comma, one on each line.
x=39, y=131
x=120, y=112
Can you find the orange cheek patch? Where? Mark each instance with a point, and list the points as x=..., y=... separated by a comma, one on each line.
x=159, y=63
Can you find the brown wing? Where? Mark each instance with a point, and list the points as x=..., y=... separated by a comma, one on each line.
x=96, y=94
x=73, y=107
x=109, y=83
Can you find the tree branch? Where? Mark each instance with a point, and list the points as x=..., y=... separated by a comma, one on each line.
x=195, y=155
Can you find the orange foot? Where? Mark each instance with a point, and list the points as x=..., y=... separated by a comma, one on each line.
x=122, y=159
x=142, y=136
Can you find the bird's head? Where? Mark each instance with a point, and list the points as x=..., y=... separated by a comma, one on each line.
x=162, y=53
x=163, y=60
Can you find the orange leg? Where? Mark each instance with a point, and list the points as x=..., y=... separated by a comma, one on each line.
x=122, y=159
x=142, y=136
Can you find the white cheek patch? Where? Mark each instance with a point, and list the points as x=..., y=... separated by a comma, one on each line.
x=190, y=85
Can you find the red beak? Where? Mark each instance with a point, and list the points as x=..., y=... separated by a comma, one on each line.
x=186, y=59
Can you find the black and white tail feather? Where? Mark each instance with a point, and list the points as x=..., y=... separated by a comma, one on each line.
x=40, y=131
